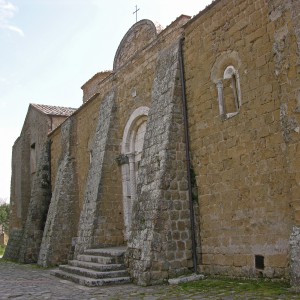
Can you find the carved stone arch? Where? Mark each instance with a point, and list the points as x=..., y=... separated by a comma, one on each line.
x=137, y=37
x=228, y=58
x=131, y=150
x=225, y=75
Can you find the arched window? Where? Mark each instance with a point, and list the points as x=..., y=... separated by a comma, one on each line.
x=229, y=93
x=131, y=153
x=225, y=75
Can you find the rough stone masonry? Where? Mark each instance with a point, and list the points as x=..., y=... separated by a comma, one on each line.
x=118, y=164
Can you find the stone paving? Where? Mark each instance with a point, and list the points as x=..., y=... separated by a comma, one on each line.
x=24, y=282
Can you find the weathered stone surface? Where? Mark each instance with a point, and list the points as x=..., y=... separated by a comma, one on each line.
x=134, y=41
x=184, y=279
x=245, y=166
x=62, y=218
x=295, y=257
x=38, y=209
x=89, y=214
x=27, y=153
x=245, y=162
x=156, y=220
x=12, y=250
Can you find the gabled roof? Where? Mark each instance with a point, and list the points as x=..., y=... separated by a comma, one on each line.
x=54, y=110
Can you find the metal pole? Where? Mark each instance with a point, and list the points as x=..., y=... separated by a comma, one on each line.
x=188, y=161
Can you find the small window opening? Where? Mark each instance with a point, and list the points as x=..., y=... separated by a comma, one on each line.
x=229, y=93
x=32, y=158
x=259, y=262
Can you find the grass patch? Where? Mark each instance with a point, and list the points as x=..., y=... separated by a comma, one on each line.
x=228, y=286
x=2, y=249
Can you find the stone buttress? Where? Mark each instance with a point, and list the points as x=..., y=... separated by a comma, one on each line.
x=38, y=209
x=285, y=59
x=90, y=212
x=62, y=216
x=160, y=243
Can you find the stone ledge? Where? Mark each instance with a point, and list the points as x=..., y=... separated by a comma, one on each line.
x=184, y=279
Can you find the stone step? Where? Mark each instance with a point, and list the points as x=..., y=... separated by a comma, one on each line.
x=116, y=251
x=96, y=266
x=100, y=259
x=91, y=282
x=93, y=274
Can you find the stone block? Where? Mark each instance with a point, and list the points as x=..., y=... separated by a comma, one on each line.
x=277, y=261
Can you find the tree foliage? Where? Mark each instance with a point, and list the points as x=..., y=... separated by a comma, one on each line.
x=4, y=216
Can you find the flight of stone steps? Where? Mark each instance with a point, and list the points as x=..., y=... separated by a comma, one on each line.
x=96, y=267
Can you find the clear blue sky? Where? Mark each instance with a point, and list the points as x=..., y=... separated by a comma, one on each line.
x=50, y=48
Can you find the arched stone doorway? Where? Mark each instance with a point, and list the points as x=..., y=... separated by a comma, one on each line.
x=132, y=147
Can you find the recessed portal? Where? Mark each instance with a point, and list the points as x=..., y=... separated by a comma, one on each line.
x=132, y=148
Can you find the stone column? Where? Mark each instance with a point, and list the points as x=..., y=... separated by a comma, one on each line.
x=221, y=97
x=131, y=157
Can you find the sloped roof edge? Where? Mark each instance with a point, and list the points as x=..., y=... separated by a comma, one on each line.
x=54, y=110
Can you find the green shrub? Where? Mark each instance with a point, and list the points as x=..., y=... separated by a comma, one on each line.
x=4, y=216
x=2, y=249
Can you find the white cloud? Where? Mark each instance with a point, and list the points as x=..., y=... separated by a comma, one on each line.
x=7, y=12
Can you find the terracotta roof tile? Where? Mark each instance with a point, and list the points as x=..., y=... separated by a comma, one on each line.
x=54, y=110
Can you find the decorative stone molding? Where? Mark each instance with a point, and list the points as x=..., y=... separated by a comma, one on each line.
x=137, y=37
x=226, y=77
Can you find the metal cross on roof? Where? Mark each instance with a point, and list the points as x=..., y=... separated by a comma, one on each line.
x=135, y=12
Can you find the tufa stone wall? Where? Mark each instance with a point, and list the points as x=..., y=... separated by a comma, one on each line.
x=90, y=88
x=26, y=153
x=241, y=61
x=38, y=209
x=245, y=164
x=132, y=85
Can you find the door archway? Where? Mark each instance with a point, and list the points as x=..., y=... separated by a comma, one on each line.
x=132, y=147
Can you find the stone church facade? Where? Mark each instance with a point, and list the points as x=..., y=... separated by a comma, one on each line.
x=187, y=152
